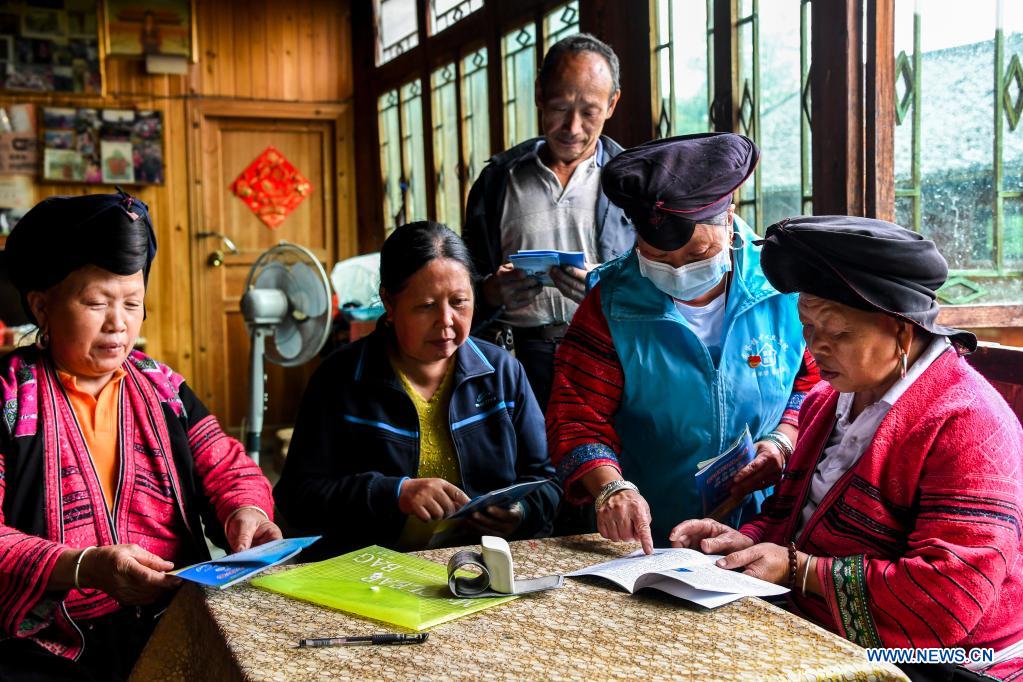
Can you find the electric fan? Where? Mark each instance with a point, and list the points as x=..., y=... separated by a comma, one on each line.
x=286, y=307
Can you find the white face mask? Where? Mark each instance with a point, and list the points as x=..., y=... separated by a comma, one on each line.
x=689, y=281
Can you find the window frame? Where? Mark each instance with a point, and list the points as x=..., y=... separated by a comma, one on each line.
x=853, y=174
x=483, y=28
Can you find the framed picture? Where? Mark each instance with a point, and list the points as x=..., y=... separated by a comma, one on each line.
x=59, y=139
x=107, y=146
x=117, y=163
x=51, y=46
x=62, y=165
x=29, y=77
x=42, y=23
x=153, y=27
x=60, y=118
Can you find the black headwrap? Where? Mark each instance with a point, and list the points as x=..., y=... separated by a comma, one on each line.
x=62, y=234
x=668, y=186
x=863, y=263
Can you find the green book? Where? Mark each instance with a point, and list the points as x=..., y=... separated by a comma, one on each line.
x=381, y=584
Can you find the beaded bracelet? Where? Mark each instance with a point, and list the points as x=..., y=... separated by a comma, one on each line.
x=793, y=566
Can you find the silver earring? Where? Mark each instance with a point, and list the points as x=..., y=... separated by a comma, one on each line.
x=904, y=362
x=42, y=339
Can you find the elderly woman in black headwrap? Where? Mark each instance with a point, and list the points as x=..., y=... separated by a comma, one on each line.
x=110, y=467
x=898, y=519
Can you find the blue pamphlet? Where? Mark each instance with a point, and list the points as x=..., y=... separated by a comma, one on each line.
x=504, y=497
x=234, y=568
x=714, y=476
x=538, y=263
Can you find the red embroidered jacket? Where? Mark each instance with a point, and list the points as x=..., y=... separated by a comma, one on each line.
x=919, y=542
x=178, y=471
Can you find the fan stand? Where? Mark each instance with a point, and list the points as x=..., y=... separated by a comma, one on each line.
x=257, y=392
x=263, y=309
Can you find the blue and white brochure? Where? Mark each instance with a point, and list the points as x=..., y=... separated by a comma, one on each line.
x=234, y=568
x=504, y=497
x=538, y=263
x=714, y=476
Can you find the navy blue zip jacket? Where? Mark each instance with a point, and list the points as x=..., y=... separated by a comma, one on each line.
x=357, y=435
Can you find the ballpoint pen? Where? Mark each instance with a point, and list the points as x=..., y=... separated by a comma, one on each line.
x=388, y=639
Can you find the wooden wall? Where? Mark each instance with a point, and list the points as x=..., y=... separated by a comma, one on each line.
x=295, y=51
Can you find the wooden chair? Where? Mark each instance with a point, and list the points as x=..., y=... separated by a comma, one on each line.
x=1003, y=367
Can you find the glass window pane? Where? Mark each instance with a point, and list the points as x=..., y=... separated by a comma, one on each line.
x=397, y=28
x=682, y=59
x=780, y=110
x=445, y=147
x=1012, y=140
x=904, y=102
x=412, y=151
x=475, y=118
x=690, y=77
x=748, y=205
x=560, y=22
x=444, y=13
x=519, y=54
x=1012, y=214
x=390, y=157
x=773, y=65
x=950, y=172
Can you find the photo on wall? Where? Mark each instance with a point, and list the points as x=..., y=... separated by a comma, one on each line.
x=50, y=46
x=116, y=162
x=58, y=139
x=62, y=165
x=42, y=23
x=154, y=27
x=106, y=146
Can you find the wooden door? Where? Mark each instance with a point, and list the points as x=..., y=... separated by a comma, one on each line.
x=226, y=138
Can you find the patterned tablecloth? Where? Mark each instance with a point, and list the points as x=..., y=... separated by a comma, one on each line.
x=587, y=630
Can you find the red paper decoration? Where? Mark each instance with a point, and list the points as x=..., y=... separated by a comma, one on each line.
x=271, y=187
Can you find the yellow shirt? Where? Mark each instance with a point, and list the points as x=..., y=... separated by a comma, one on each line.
x=98, y=419
x=437, y=457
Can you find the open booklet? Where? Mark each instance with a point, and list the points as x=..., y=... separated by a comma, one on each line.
x=683, y=573
x=503, y=497
x=234, y=568
x=538, y=263
x=714, y=476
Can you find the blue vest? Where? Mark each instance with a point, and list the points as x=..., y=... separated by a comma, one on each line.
x=677, y=407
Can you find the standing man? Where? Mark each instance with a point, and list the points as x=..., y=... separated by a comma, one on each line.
x=545, y=193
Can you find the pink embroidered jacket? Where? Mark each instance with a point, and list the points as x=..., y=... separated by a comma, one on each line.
x=919, y=542
x=178, y=472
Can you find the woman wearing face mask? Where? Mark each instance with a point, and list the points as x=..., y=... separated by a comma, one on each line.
x=681, y=345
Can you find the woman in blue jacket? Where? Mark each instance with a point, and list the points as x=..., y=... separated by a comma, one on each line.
x=402, y=428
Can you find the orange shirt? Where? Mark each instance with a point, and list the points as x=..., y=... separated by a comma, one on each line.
x=98, y=419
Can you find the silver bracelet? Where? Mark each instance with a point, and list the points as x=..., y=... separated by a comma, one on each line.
x=78, y=564
x=806, y=571
x=610, y=489
x=782, y=441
